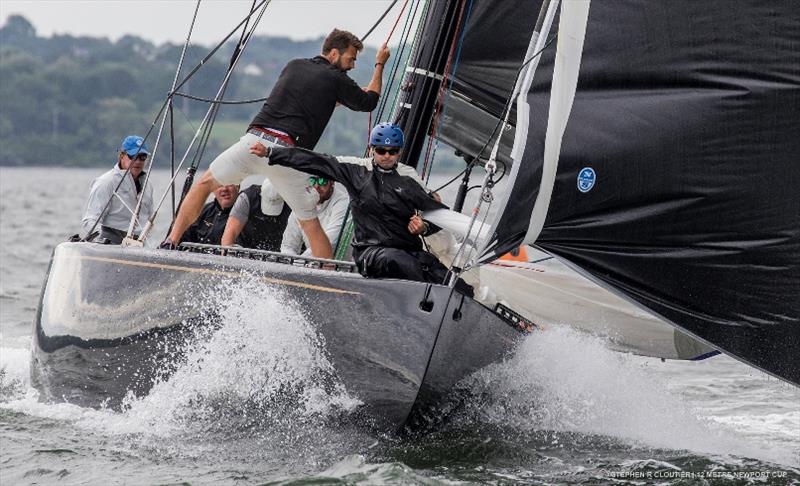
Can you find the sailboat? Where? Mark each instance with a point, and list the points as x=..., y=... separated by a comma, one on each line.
x=651, y=148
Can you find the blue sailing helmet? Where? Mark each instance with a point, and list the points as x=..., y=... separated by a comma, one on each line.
x=386, y=135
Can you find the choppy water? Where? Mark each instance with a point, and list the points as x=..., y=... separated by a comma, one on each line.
x=564, y=409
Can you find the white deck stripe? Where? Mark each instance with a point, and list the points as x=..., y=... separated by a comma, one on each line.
x=223, y=273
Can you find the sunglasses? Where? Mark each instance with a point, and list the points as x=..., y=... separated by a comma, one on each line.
x=317, y=181
x=384, y=151
x=138, y=157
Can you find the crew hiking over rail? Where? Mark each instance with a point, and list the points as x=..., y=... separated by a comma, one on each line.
x=295, y=114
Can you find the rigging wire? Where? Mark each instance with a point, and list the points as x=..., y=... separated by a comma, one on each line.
x=474, y=245
x=164, y=105
x=172, y=153
x=346, y=230
x=201, y=148
x=499, y=123
x=388, y=37
x=134, y=216
x=205, y=137
x=453, y=58
x=219, y=46
x=380, y=19
x=219, y=102
x=417, y=35
x=397, y=64
x=262, y=6
x=397, y=20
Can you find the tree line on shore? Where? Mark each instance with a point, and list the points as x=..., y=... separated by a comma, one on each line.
x=69, y=101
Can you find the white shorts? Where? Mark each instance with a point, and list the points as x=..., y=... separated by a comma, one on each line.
x=236, y=163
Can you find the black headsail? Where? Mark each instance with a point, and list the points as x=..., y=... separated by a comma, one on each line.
x=678, y=182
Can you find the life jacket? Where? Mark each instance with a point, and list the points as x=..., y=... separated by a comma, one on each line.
x=210, y=226
x=262, y=232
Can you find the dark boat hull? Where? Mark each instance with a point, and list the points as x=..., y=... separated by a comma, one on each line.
x=114, y=320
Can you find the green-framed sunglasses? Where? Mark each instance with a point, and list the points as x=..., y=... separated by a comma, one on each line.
x=317, y=181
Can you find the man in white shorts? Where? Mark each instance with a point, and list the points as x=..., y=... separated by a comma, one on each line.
x=294, y=115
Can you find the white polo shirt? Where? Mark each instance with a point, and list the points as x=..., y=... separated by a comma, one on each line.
x=331, y=215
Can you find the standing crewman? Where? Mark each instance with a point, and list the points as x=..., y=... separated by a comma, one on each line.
x=119, y=204
x=385, y=206
x=294, y=115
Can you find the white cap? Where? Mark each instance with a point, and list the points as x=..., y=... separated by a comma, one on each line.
x=271, y=201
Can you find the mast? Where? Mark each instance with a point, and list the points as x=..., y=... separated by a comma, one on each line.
x=424, y=75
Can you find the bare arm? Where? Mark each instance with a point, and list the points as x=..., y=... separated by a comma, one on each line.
x=236, y=220
x=311, y=162
x=99, y=195
x=377, y=76
x=233, y=228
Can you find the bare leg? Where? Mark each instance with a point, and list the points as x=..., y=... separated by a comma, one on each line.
x=192, y=205
x=317, y=239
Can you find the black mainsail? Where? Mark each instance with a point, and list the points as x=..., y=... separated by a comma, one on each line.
x=677, y=181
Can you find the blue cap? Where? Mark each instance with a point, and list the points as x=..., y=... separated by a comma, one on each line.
x=386, y=135
x=134, y=144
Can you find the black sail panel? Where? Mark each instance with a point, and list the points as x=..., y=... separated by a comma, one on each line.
x=494, y=43
x=688, y=116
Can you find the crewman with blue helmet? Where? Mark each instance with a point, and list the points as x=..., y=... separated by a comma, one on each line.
x=386, y=200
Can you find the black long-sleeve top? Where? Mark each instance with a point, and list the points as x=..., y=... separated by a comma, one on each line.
x=304, y=97
x=382, y=201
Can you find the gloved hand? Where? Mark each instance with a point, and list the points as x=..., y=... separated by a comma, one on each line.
x=168, y=245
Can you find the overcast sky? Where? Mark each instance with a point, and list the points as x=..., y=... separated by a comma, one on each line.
x=168, y=20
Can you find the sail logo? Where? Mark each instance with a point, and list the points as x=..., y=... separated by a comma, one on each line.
x=586, y=179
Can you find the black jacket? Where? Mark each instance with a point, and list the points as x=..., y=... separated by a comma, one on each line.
x=210, y=226
x=303, y=99
x=382, y=201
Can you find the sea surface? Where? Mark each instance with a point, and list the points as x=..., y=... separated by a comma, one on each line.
x=565, y=409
